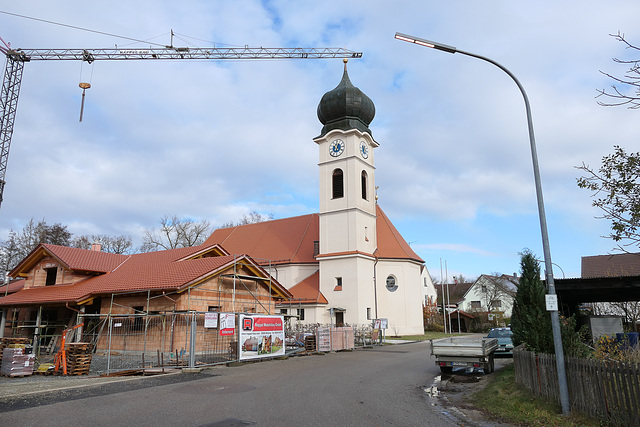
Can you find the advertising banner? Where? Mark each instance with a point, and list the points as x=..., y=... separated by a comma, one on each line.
x=261, y=336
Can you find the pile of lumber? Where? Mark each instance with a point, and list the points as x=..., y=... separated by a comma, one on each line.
x=78, y=358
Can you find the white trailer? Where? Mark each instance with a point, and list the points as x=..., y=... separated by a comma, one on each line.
x=465, y=352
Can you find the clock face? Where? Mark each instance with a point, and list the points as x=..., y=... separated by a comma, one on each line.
x=364, y=149
x=336, y=148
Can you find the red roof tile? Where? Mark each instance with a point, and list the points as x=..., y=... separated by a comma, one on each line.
x=288, y=240
x=390, y=243
x=12, y=287
x=162, y=270
x=308, y=291
x=72, y=258
x=291, y=240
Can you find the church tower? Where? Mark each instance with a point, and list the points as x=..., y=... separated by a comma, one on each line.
x=347, y=212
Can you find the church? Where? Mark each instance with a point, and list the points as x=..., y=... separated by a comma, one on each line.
x=347, y=264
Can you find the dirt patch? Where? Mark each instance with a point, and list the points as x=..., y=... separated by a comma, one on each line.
x=453, y=391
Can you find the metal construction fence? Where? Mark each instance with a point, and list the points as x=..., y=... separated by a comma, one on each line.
x=183, y=339
x=607, y=390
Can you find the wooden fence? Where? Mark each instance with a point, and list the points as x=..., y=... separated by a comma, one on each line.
x=606, y=390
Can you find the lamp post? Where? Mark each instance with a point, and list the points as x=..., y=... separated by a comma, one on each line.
x=555, y=319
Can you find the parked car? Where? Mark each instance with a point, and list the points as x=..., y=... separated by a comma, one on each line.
x=505, y=344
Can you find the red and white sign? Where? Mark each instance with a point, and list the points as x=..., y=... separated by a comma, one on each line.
x=261, y=336
x=227, y=323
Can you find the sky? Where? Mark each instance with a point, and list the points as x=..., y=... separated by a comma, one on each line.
x=214, y=140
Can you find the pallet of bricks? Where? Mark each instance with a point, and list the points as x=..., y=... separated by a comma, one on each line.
x=15, y=361
x=78, y=358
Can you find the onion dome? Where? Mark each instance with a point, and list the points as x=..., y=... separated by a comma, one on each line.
x=345, y=107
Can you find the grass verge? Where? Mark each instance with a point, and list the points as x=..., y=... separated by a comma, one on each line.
x=504, y=400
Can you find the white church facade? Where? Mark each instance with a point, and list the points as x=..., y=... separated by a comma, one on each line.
x=347, y=264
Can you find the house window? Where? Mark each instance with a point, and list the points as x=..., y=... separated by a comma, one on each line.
x=368, y=313
x=338, y=184
x=52, y=273
x=301, y=314
x=338, y=284
x=476, y=304
x=496, y=303
x=283, y=311
x=392, y=283
x=214, y=308
x=364, y=185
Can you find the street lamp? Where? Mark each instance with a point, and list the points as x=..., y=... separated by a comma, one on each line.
x=555, y=319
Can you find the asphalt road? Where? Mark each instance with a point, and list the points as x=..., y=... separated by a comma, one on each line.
x=395, y=385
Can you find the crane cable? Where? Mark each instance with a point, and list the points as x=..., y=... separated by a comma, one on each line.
x=79, y=28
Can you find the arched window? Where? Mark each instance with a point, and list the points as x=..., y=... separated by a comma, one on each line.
x=364, y=185
x=338, y=184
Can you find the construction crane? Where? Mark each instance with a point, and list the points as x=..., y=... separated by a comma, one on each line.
x=16, y=58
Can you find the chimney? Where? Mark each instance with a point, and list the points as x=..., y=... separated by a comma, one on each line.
x=96, y=247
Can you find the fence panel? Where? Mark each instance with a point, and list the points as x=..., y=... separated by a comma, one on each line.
x=608, y=390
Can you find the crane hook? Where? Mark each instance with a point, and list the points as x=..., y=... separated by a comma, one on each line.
x=84, y=87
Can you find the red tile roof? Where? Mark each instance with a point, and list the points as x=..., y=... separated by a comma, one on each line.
x=12, y=287
x=281, y=241
x=158, y=271
x=390, y=243
x=308, y=291
x=72, y=258
x=291, y=240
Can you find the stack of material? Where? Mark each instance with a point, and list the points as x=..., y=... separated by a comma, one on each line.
x=15, y=363
x=5, y=342
x=78, y=358
x=310, y=343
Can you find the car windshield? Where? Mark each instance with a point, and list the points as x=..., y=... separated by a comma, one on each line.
x=497, y=333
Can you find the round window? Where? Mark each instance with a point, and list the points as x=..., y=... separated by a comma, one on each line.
x=392, y=284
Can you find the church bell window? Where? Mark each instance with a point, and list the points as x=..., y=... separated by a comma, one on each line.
x=338, y=184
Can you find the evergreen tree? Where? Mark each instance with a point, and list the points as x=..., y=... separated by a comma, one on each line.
x=530, y=321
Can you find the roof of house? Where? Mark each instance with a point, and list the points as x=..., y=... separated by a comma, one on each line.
x=287, y=240
x=72, y=258
x=12, y=287
x=456, y=291
x=291, y=240
x=308, y=291
x=169, y=270
x=616, y=265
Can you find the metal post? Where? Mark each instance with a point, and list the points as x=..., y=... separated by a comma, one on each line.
x=192, y=343
x=555, y=318
x=36, y=335
x=3, y=322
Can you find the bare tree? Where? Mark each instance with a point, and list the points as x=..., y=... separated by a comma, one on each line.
x=629, y=80
x=20, y=244
x=175, y=233
x=111, y=244
x=497, y=291
x=253, y=217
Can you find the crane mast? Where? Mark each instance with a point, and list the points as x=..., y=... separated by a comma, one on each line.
x=16, y=59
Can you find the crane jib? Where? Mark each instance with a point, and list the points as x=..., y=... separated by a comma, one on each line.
x=246, y=52
x=17, y=57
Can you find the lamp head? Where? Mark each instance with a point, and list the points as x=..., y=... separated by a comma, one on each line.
x=426, y=43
